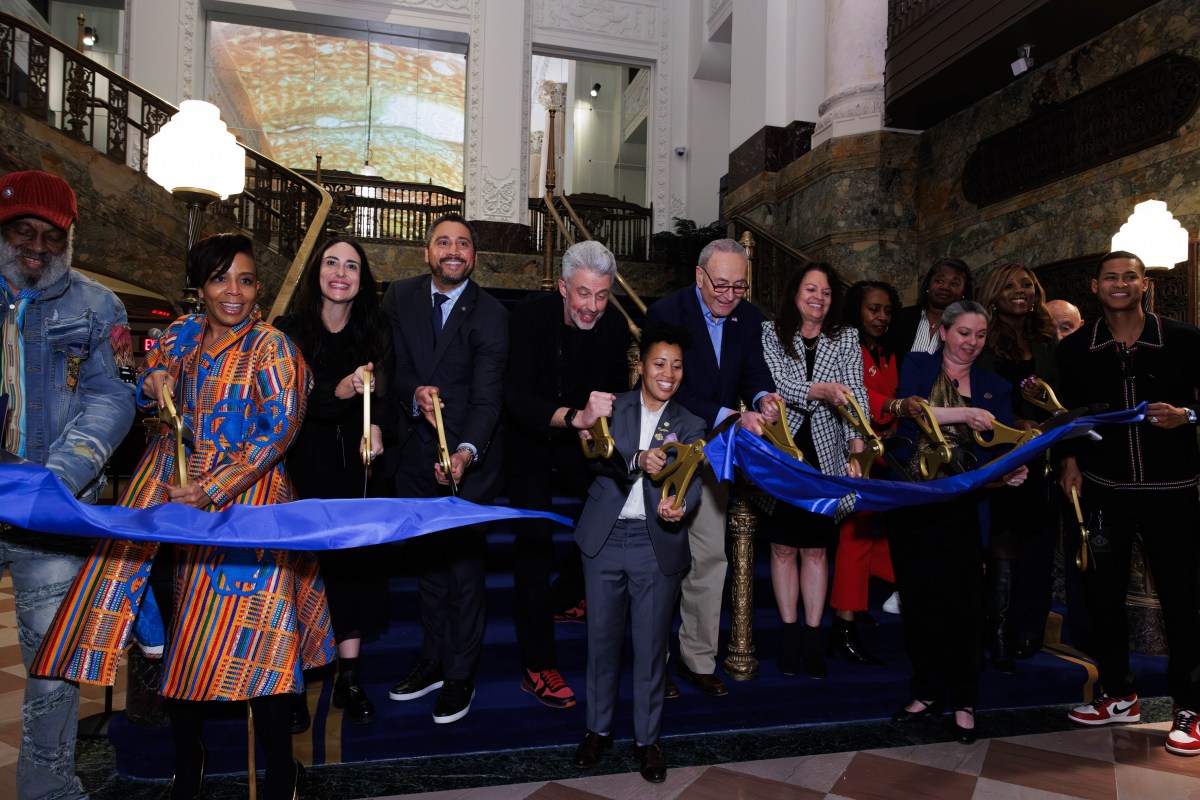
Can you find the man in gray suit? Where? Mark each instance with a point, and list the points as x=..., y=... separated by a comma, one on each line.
x=635, y=551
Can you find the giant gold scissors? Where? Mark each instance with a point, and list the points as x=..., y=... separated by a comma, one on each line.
x=601, y=445
x=852, y=412
x=779, y=434
x=168, y=414
x=1085, y=546
x=1003, y=434
x=1046, y=400
x=443, y=452
x=938, y=455
x=677, y=475
x=364, y=445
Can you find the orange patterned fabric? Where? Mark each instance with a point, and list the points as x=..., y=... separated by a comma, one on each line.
x=246, y=622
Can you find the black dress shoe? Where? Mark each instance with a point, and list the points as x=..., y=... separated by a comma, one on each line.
x=453, y=702
x=670, y=690
x=1027, y=648
x=964, y=735
x=348, y=695
x=591, y=749
x=653, y=764
x=300, y=717
x=844, y=639
x=425, y=677
x=709, y=684
x=930, y=708
x=865, y=618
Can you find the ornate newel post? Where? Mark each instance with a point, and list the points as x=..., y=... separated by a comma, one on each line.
x=740, y=663
x=547, y=217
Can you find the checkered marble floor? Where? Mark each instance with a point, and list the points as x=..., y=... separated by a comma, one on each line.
x=1126, y=763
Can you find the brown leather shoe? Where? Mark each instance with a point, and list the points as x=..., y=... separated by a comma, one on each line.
x=670, y=690
x=708, y=684
x=653, y=763
x=591, y=749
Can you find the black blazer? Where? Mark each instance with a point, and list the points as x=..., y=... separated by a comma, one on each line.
x=608, y=493
x=707, y=388
x=467, y=366
x=903, y=330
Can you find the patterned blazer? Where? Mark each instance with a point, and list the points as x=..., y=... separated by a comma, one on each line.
x=246, y=622
x=839, y=360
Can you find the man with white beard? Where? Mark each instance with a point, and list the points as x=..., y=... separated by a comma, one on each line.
x=567, y=361
x=63, y=345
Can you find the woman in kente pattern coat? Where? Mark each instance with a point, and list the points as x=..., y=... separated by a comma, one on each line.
x=241, y=624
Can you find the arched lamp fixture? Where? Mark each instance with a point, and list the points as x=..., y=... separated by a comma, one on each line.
x=1153, y=235
x=595, y=89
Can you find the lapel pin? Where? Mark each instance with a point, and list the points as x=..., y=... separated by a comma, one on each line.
x=987, y=395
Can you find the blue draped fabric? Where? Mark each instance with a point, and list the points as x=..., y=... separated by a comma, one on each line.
x=793, y=482
x=32, y=497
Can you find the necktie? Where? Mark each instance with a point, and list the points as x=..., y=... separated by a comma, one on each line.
x=438, y=300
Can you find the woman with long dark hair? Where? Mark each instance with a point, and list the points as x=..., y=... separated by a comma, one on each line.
x=1021, y=344
x=862, y=551
x=815, y=362
x=336, y=322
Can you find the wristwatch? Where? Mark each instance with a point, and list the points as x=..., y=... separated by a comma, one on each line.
x=569, y=417
x=1191, y=415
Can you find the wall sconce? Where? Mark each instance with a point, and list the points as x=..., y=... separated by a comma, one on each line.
x=1024, y=61
x=90, y=37
x=595, y=89
x=1153, y=235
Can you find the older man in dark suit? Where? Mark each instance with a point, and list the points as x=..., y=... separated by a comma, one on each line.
x=724, y=363
x=451, y=344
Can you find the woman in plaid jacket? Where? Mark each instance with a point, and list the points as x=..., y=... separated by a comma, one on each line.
x=815, y=362
x=241, y=624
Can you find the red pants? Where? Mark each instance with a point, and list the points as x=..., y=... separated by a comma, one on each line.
x=860, y=556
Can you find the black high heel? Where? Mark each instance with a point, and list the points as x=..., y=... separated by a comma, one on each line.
x=931, y=708
x=844, y=639
x=964, y=735
x=176, y=791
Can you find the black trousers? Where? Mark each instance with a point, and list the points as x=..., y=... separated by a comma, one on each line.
x=1169, y=522
x=450, y=582
x=937, y=556
x=532, y=481
x=1025, y=520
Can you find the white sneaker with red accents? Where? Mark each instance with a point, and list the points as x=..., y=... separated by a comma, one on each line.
x=1184, y=739
x=1105, y=710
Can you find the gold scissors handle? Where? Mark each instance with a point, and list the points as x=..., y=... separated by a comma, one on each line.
x=1047, y=400
x=677, y=475
x=364, y=446
x=938, y=455
x=601, y=445
x=779, y=434
x=1003, y=434
x=852, y=412
x=168, y=414
x=443, y=452
x=1081, y=558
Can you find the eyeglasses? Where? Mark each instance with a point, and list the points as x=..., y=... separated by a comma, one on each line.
x=739, y=288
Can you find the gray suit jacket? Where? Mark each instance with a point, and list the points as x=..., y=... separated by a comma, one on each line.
x=608, y=492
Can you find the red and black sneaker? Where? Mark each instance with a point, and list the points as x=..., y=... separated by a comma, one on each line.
x=577, y=613
x=1105, y=710
x=1184, y=739
x=549, y=687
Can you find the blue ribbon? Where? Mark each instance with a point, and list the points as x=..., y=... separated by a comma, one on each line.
x=32, y=497
x=797, y=483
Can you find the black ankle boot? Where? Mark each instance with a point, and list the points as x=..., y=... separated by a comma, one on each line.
x=789, y=649
x=999, y=625
x=810, y=649
x=844, y=639
x=348, y=694
x=188, y=778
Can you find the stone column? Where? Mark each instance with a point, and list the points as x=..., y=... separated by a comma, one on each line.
x=498, y=69
x=856, y=41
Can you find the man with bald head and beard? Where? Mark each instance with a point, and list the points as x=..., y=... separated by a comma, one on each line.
x=65, y=346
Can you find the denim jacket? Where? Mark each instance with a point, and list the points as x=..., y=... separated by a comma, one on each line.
x=77, y=407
